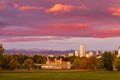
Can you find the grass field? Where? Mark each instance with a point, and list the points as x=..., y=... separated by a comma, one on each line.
x=61, y=76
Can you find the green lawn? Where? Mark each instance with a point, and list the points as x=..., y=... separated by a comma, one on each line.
x=62, y=76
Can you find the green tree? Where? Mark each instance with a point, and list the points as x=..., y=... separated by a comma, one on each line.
x=21, y=59
x=1, y=49
x=29, y=63
x=76, y=63
x=107, y=60
x=117, y=63
x=6, y=61
x=88, y=63
x=35, y=58
x=1, y=56
x=71, y=59
x=39, y=59
x=14, y=64
x=99, y=65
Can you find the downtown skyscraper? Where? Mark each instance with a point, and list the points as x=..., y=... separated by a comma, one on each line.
x=82, y=51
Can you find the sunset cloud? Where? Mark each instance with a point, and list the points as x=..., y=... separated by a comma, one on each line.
x=26, y=7
x=114, y=11
x=29, y=39
x=70, y=30
x=83, y=7
x=3, y=24
x=24, y=15
x=114, y=32
x=60, y=8
x=3, y=7
x=69, y=27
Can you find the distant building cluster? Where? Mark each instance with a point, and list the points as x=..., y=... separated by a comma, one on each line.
x=60, y=64
x=84, y=53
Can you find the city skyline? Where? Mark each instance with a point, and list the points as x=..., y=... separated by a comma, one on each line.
x=74, y=44
x=60, y=24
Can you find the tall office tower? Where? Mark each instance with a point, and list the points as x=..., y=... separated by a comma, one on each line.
x=82, y=50
x=118, y=52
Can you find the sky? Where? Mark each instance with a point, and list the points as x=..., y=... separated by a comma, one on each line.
x=60, y=24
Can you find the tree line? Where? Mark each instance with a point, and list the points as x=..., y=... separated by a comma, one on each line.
x=108, y=61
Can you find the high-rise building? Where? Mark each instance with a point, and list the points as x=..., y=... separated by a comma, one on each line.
x=76, y=53
x=118, y=52
x=82, y=50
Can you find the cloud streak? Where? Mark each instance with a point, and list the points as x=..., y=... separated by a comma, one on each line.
x=29, y=39
x=64, y=30
x=26, y=7
x=51, y=30
x=3, y=7
x=114, y=32
x=114, y=11
x=62, y=8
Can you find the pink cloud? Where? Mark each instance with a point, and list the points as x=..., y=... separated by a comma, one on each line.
x=114, y=11
x=51, y=30
x=3, y=7
x=114, y=32
x=28, y=39
x=64, y=30
x=26, y=7
x=60, y=8
x=83, y=7
x=67, y=27
x=16, y=5
x=24, y=15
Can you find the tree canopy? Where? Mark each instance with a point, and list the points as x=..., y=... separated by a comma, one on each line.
x=107, y=60
x=1, y=49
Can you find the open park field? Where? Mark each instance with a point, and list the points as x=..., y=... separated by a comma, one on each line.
x=61, y=76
